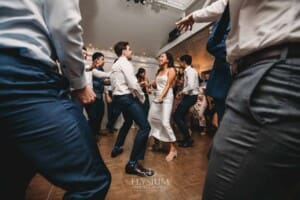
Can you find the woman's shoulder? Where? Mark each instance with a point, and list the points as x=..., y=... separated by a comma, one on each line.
x=171, y=71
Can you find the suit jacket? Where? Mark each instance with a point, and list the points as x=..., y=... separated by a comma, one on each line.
x=220, y=77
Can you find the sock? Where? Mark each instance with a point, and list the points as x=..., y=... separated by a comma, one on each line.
x=132, y=163
x=116, y=148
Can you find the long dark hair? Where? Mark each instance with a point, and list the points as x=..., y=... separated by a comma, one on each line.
x=170, y=59
x=139, y=72
x=170, y=63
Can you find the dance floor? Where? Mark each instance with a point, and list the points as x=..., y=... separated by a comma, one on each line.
x=180, y=179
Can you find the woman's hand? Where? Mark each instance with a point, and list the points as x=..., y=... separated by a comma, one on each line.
x=158, y=100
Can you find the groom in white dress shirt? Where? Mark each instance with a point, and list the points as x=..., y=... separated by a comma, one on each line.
x=128, y=97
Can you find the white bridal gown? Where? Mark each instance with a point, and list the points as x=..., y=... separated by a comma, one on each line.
x=160, y=113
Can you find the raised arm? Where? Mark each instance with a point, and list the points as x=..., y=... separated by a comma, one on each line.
x=100, y=74
x=208, y=14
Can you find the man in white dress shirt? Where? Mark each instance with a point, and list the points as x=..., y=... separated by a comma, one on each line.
x=128, y=97
x=97, y=78
x=256, y=152
x=190, y=91
x=44, y=131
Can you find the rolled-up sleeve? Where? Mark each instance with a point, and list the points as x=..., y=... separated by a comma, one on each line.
x=63, y=18
x=210, y=13
x=100, y=74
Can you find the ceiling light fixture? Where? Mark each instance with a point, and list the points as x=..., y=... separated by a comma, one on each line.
x=155, y=5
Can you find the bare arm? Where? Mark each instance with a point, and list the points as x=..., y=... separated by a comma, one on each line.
x=148, y=90
x=153, y=84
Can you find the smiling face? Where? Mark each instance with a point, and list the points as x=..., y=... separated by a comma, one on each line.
x=163, y=60
x=99, y=62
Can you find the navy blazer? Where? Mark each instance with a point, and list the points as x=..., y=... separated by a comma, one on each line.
x=220, y=77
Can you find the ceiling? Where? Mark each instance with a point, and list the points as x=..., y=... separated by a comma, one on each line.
x=106, y=22
x=179, y=4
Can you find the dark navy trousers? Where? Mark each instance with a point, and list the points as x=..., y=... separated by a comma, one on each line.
x=95, y=112
x=43, y=131
x=186, y=103
x=132, y=110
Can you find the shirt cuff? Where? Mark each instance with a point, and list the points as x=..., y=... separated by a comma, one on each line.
x=195, y=16
x=78, y=83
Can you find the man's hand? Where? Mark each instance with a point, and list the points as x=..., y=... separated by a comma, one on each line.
x=179, y=95
x=143, y=83
x=106, y=81
x=85, y=95
x=186, y=23
x=108, y=99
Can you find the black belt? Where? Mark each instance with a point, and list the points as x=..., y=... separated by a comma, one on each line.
x=17, y=53
x=123, y=95
x=273, y=52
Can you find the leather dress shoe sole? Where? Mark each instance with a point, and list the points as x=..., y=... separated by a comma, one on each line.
x=138, y=170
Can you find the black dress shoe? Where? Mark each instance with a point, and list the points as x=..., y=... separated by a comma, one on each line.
x=149, y=172
x=116, y=152
x=187, y=143
x=138, y=170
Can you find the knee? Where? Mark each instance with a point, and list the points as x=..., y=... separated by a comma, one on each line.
x=128, y=124
x=146, y=127
x=108, y=180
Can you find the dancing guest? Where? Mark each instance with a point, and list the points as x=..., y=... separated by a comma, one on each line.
x=190, y=93
x=161, y=107
x=126, y=94
x=96, y=78
x=144, y=83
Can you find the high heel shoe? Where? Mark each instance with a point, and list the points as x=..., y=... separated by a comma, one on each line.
x=171, y=156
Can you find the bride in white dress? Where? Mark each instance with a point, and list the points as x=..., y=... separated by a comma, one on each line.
x=161, y=107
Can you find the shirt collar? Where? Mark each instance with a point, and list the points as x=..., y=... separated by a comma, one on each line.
x=187, y=68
